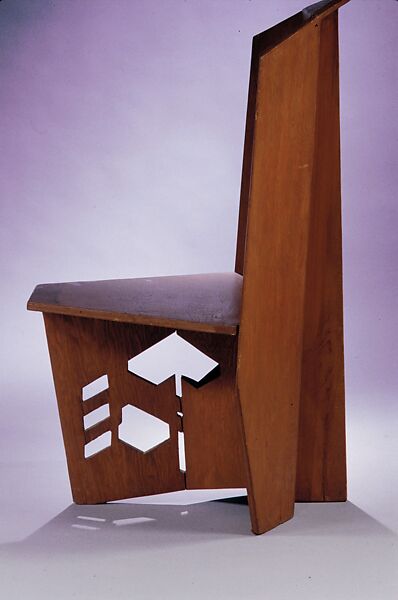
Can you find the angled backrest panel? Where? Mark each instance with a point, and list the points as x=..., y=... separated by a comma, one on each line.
x=278, y=190
x=262, y=43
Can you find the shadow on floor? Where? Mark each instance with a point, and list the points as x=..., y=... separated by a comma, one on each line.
x=138, y=526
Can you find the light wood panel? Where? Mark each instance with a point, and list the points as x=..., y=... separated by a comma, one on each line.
x=262, y=43
x=321, y=468
x=81, y=350
x=270, y=339
x=211, y=421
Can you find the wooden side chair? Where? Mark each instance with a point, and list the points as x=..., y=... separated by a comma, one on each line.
x=270, y=418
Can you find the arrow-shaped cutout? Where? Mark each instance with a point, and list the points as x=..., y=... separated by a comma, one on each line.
x=172, y=356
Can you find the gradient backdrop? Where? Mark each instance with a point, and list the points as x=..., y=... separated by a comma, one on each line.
x=121, y=135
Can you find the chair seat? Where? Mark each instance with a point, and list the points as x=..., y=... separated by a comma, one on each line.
x=209, y=302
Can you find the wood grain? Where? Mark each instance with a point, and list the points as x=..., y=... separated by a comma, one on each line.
x=81, y=350
x=211, y=421
x=262, y=43
x=209, y=302
x=321, y=467
x=270, y=338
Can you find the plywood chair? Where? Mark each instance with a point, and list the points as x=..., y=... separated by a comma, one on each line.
x=271, y=419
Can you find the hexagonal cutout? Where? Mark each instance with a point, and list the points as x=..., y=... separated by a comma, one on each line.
x=141, y=430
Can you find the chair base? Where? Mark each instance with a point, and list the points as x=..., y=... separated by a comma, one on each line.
x=83, y=350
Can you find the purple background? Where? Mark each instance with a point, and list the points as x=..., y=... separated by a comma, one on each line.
x=121, y=141
x=121, y=136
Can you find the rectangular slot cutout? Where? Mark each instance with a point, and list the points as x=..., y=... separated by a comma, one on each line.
x=95, y=387
x=100, y=443
x=96, y=416
x=181, y=451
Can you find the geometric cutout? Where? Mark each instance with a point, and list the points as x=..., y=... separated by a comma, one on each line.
x=181, y=451
x=142, y=430
x=95, y=387
x=209, y=377
x=96, y=416
x=171, y=356
x=95, y=446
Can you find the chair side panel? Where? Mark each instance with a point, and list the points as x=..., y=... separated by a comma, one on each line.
x=211, y=421
x=321, y=467
x=81, y=351
x=270, y=338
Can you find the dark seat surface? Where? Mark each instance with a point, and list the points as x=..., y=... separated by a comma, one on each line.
x=209, y=302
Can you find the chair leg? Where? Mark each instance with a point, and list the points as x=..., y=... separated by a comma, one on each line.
x=321, y=466
x=82, y=351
